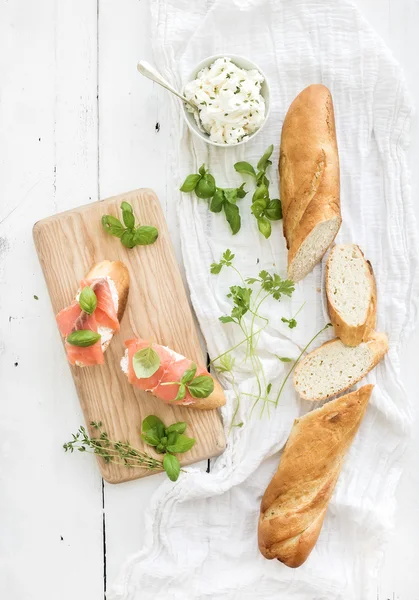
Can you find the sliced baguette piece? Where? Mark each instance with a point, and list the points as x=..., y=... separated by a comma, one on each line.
x=351, y=294
x=309, y=179
x=295, y=502
x=333, y=368
x=171, y=367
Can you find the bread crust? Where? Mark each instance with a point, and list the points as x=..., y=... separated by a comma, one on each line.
x=118, y=272
x=309, y=168
x=378, y=345
x=295, y=502
x=349, y=334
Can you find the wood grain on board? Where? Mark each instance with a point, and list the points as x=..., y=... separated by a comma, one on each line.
x=68, y=245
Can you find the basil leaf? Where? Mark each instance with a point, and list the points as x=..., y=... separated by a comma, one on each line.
x=145, y=235
x=202, y=170
x=151, y=437
x=205, y=187
x=230, y=194
x=112, y=225
x=264, y=226
x=181, y=392
x=189, y=374
x=190, y=183
x=83, y=338
x=217, y=201
x=233, y=216
x=152, y=422
x=171, y=438
x=263, y=163
x=172, y=466
x=178, y=427
x=245, y=167
x=241, y=192
x=261, y=178
x=201, y=387
x=128, y=218
x=128, y=239
x=274, y=210
x=258, y=208
x=182, y=444
x=126, y=206
x=88, y=300
x=145, y=362
x=261, y=192
x=160, y=449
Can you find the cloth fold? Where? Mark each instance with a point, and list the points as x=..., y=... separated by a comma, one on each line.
x=202, y=530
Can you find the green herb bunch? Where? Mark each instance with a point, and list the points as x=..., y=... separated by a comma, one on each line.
x=221, y=199
x=129, y=233
x=165, y=440
x=168, y=441
x=263, y=208
x=246, y=313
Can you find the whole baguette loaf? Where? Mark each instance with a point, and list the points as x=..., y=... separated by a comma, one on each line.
x=309, y=179
x=351, y=294
x=333, y=368
x=295, y=502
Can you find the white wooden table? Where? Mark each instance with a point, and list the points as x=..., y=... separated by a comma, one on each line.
x=76, y=126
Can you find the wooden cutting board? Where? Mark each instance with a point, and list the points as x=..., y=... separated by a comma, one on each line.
x=68, y=245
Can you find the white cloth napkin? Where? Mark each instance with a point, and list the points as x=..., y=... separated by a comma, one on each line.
x=201, y=537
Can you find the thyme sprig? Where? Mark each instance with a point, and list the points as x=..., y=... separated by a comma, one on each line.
x=117, y=452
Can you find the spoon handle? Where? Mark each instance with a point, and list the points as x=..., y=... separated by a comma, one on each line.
x=148, y=71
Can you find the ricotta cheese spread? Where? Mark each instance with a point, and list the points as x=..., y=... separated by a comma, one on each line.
x=229, y=101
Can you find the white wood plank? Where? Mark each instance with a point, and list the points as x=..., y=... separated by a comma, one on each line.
x=50, y=503
x=134, y=133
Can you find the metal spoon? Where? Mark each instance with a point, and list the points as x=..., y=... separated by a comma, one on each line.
x=148, y=71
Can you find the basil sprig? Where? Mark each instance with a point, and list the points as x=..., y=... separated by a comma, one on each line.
x=198, y=387
x=83, y=338
x=88, y=300
x=145, y=362
x=129, y=233
x=221, y=199
x=168, y=441
x=263, y=208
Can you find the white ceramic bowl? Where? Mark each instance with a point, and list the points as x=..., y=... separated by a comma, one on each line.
x=243, y=63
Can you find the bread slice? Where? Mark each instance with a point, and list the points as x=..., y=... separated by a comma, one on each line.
x=351, y=294
x=334, y=368
x=309, y=179
x=119, y=276
x=295, y=503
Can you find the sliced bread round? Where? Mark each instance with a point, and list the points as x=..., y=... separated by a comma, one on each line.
x=334, y=368
x=351, y=294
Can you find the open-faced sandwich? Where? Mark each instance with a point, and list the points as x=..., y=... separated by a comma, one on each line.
x=90, y=322
x=170, y=376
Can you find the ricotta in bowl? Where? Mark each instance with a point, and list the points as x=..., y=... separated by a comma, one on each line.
x=229, y=101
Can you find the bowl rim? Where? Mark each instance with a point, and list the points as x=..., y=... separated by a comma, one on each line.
x=192, y=75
